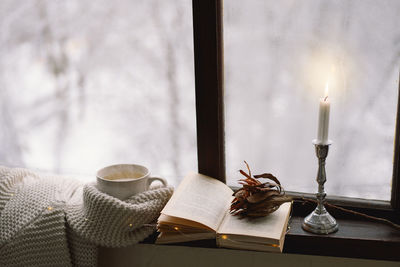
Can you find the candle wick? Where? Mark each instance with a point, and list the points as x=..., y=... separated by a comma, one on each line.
x=326, y=97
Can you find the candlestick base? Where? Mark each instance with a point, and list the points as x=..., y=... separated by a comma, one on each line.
x=320, y=222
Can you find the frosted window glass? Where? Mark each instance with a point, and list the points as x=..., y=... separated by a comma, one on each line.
x=85, y=84
x=278, y=57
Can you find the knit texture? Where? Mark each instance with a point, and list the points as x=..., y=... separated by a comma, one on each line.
x=54, y=221
x=83, y=253
x=107, y=221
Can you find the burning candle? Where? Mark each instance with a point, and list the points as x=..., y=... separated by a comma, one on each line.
x=323, y=120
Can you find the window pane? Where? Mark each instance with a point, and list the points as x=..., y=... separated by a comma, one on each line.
x=85, y=84
x=278, y=57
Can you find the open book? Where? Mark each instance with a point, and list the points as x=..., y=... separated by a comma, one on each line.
x=199, y=209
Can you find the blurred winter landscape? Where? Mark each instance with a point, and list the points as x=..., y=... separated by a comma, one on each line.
x=85, y=84
x=279, y=56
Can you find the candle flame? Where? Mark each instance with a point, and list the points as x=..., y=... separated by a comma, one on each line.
x=326, y=90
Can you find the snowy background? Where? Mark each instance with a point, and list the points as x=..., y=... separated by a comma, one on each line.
x=85, y=84
x=278, y=57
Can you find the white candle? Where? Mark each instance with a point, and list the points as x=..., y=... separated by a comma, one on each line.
x=323, y=120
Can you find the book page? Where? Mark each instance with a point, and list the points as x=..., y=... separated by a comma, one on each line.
x=170, y=222
x=201, y=199
x=269, y=227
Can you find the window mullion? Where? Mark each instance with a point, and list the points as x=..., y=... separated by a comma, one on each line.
x=208, y=57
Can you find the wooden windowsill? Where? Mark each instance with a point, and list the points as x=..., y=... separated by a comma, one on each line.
x=355, y=239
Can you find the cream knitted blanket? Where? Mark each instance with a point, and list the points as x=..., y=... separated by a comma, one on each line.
x=55, y=221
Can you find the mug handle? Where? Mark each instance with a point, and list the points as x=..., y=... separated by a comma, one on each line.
x=152, y=179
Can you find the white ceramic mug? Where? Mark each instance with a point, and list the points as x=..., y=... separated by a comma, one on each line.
x=125, y=180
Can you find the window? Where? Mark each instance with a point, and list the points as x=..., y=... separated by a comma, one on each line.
x=208, y=19
x=66, y=79
x=101, y=51
x=87, y=84
x=278, y=58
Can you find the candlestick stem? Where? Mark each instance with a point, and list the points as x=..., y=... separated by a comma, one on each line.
x=320, y=221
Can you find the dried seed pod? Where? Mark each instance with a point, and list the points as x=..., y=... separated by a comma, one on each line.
x=257, y=199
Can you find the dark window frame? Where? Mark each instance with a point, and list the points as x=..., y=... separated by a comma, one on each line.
x=356, y=238
x=209, y=85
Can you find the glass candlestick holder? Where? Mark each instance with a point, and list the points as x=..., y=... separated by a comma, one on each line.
x=320, y=221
